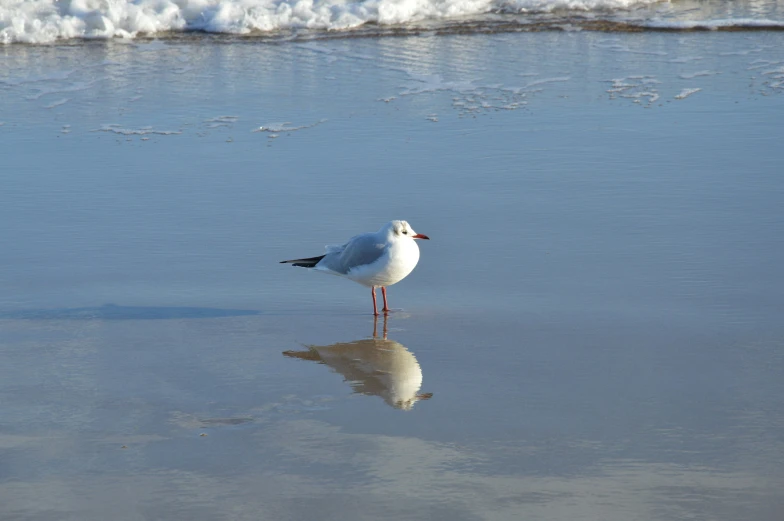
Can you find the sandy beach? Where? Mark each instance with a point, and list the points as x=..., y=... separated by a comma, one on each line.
x=593, y=332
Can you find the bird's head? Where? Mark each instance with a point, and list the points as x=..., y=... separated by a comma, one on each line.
x=401, y=229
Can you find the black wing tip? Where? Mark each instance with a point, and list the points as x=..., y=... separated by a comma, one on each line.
x=304, y=263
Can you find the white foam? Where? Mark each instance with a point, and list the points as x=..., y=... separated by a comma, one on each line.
x=685, y=93
x=221, y=121
x=470, y=98
x=744, y=52
x=686, y=59
x=57, y=103
x=547, y=80
x=117, y=129
x=692, y=75
x=286, y=126
x=45, y=21
x=761, y=64
x=776, y=72
x=641, y=86
x=651, y=95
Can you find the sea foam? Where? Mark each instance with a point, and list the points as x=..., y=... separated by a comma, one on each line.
x=45, y=21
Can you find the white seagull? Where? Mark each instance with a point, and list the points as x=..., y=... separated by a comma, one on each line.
x=372, y=259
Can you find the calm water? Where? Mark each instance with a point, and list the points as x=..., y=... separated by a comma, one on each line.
x=597, y=316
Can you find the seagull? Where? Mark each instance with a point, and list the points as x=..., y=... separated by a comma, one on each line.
x=374, y=259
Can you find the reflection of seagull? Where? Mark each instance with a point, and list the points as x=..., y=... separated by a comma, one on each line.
x=372, y=259
x=375, y=366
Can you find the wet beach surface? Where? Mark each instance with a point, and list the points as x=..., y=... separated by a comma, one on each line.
x=593, y=331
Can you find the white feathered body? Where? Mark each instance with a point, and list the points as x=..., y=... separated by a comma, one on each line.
x=372, y=259
x=398, y=261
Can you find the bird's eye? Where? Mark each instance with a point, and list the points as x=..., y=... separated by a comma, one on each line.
x=405, y=232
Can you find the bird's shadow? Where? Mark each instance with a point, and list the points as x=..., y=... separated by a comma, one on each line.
x=118, y=312
x=373, y=366
x=115, y=312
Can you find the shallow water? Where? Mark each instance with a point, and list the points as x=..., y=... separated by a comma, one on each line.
x=596, y=317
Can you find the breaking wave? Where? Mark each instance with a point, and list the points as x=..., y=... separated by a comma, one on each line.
x=47, y=21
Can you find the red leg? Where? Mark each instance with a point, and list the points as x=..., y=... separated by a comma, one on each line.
x=375, y=308
x=384, y=294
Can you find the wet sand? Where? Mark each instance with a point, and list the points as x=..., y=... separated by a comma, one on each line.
x=593, y=333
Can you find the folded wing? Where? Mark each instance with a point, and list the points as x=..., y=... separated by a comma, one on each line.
x=358, y=251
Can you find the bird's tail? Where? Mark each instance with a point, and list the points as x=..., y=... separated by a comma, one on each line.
x=312, y=354
x=304, y=263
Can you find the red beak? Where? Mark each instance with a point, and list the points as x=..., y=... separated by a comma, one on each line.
x=420, y=236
